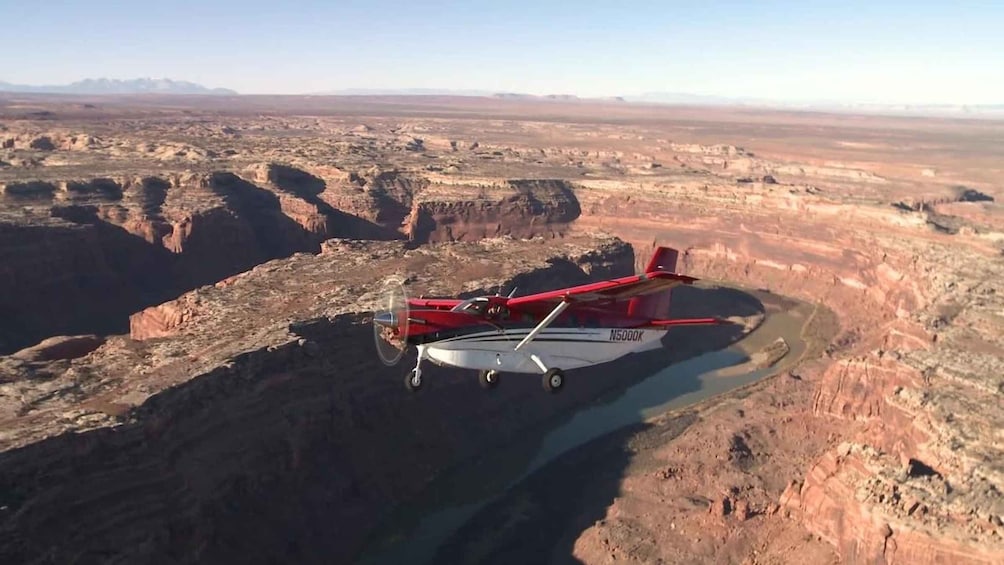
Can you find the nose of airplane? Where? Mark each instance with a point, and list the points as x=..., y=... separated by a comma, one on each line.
x=386, y=319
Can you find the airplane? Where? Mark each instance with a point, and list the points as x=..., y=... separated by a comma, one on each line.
x=545, y=333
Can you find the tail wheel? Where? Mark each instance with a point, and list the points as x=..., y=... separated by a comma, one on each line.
x=413, y=380
x=553, y=380
x=488, y=379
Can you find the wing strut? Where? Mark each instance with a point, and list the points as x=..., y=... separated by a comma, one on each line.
x=543, y=324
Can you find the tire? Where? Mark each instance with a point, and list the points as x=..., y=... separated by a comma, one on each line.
x=553, y=380
x=488, y=379
x=413, y=380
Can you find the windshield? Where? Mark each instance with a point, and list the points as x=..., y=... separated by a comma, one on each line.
x=472, y=306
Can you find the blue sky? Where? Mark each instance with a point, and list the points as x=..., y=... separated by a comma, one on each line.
x=903, y=52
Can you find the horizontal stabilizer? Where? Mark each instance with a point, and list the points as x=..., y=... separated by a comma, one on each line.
x=688, y=322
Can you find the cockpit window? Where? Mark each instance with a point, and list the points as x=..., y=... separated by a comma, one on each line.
x=474, y=306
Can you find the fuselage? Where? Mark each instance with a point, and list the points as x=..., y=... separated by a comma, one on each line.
x=565, y=347
x=482, y=333
x=542, y=332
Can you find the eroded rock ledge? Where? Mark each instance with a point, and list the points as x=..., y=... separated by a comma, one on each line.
x=80, y=255
x=255, y=422
x=912, y=380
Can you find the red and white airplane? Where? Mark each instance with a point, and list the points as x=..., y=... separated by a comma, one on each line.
x=545, y=333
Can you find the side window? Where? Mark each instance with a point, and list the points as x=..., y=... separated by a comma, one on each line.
x=476, y=307
x=498, y=311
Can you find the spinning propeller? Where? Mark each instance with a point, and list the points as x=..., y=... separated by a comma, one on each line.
x=390, y=326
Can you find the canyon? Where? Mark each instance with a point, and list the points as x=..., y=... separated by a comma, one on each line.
x=187, y=373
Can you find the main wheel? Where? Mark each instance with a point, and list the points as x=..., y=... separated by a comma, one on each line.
x=488, y=379
x=413, y=380
x=553, y=380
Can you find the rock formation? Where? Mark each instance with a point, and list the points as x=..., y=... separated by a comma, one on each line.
x=242, y=404
x=519, y=208
x=234, y=413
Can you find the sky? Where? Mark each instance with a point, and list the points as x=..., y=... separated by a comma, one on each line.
x=876, y=52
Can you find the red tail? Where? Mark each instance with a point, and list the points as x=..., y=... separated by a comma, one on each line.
x=655, y=306
x=664, y=259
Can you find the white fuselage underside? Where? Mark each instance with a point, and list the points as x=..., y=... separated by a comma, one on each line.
x=563, y=348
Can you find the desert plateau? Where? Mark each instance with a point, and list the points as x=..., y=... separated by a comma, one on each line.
x=187, y=367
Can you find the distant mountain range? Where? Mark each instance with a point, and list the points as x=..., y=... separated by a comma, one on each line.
x=648, y=97
x=169, y=86
x=450, y=92
x=687, y=99
x=402, y=92
x=116, y=86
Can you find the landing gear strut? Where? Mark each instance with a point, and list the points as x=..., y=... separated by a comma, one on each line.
x=489, y=379
x=413, y=380
x=553, y=380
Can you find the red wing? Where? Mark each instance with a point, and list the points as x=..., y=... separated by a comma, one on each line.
x=611, y=290
x=437, y=303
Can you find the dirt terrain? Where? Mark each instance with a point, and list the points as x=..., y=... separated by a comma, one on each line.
x=212, y=260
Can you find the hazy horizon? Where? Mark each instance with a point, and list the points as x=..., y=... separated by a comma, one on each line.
x=888, y=53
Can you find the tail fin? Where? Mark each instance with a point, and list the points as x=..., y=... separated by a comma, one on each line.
x=664, y=259
x=655, y=306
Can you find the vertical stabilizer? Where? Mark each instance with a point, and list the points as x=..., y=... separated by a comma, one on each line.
x=655, y=306
x=664, y=259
